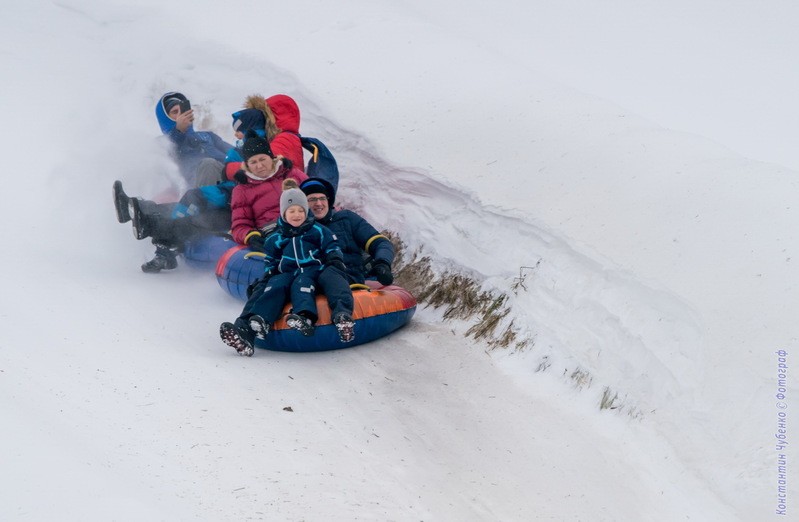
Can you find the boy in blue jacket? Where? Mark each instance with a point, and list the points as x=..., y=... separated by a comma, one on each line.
x=295, y=256
x=199, y=154
x=201, y=210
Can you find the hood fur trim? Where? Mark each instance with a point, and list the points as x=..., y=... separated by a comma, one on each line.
x=256, y=101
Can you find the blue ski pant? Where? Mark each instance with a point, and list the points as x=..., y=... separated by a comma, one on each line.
x=269, y=297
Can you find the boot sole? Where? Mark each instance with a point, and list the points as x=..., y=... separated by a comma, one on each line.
x=230, y=336
x=138, y=231
x=121, y=203
x=346, y=331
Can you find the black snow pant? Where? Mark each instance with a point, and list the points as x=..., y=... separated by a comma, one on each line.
x=173, y=233
x=335, y=284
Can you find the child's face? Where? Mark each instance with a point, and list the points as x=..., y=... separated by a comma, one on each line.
x=295, y=215
x=239, y=135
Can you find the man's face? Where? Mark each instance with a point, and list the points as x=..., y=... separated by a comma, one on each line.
x=317, y=202
x=174, y=112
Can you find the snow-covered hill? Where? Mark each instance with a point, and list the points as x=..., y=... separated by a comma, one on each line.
x=530, y=147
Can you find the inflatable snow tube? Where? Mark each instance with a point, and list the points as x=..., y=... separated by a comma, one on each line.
x=205, y=252
x=378, y=310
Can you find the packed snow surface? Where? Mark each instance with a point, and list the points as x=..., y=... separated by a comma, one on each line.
x=624, y=174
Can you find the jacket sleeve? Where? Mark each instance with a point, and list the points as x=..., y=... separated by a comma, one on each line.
x=242, y=219
x=289, y=146
x=221, y=145
x=231, y=168
x=381, y=249
x=232, y=163
x=177, y=137
x=273, y=254
x=373, y=242
x=191, y=142
x=329, y=245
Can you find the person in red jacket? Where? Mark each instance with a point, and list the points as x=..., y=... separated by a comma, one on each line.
x=255, y=202
x=282, y=116
x=286, y=141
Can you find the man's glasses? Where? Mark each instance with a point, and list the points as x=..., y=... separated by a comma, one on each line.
x=320, y=199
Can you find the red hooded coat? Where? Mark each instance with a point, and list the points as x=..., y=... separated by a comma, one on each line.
x=287, y=119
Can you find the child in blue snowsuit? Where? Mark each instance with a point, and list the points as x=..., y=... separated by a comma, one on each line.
x=295, y=256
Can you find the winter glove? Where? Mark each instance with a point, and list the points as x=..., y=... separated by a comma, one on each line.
x=258, y=285
x=256, y=243
x=382, y=272
x=338, y=263
x=251, y=287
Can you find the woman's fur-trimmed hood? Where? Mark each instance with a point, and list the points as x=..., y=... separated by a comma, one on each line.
x=282, y=113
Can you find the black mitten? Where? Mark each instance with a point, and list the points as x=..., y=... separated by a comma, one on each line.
x=338, y=263
x=256, y=243
x=258, y=284
x=382, y=272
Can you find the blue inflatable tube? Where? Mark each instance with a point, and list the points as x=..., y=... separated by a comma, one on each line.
x=204, y=253
x=378, y=311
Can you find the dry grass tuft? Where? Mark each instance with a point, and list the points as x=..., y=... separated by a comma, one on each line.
x=462, y=299
x=581, y=378
x=459, y=295
x=609, y=399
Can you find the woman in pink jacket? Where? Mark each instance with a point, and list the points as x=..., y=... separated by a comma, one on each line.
x=255, y=202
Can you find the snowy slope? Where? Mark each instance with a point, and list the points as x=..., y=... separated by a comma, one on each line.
x=663, y=268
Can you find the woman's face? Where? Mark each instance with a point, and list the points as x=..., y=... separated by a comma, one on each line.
x=260, y=165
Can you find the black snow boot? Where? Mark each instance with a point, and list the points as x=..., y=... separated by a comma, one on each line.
x=142, y=223
x=165, y=259
x=237, y=337
x=259, y=327
x=345, y=326
x=121, y=203
x=301, y=323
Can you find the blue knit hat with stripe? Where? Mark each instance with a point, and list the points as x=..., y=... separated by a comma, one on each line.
x=319, y=186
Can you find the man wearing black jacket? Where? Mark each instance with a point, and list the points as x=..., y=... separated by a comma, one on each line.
x=354, y=234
